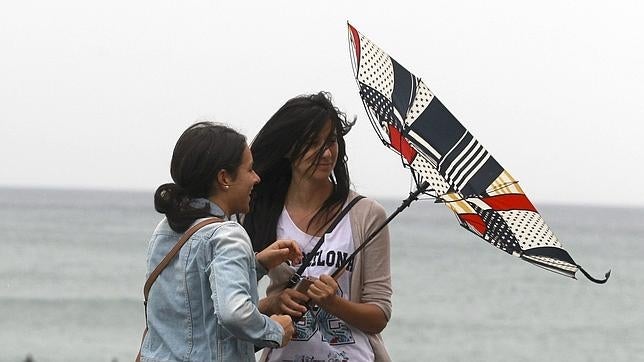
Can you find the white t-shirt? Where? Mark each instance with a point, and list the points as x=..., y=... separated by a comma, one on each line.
x=320, y=336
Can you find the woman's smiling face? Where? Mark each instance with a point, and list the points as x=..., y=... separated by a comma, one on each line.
x=318, y=161
x=238, y=192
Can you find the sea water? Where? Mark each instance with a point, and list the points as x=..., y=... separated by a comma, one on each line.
x=72, y=267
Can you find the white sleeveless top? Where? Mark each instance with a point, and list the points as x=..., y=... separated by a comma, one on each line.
x=320, y=336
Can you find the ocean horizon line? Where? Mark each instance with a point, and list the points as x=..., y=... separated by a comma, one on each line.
x=386, y=198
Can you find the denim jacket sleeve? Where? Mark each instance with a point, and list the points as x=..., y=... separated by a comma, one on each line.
x=233, y=282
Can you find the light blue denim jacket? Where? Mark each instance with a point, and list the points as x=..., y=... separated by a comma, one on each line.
x=203, y=306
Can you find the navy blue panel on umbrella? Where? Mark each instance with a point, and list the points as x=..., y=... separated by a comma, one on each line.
x=405, y=85
x=483, y=178
x=438, y=127
x=550, y=252
x=457, y=152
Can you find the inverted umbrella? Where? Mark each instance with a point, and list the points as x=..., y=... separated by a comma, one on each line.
x=439, y=150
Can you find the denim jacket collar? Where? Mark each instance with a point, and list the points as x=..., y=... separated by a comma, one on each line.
x=215, y=210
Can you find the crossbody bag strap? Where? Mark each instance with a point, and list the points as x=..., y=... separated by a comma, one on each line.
x=317, y=246
x=172, y=253
x=164, y=263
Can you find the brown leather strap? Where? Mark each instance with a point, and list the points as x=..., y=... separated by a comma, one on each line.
x=171, y=254
x=164, y=263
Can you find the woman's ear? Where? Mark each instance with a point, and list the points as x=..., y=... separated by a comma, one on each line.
x=223, y=180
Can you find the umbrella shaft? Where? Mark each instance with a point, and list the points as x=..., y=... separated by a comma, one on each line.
x=412, y=197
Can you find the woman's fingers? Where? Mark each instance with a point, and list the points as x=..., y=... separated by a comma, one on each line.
x=289, y=249
x=322, y=291
x=292, y=302
x=279, y=252
x=295, y=254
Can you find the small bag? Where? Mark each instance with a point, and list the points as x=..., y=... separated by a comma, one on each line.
x=166, y=260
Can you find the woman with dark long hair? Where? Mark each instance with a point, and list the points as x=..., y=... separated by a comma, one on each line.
x=203, y=305
x=300, y=156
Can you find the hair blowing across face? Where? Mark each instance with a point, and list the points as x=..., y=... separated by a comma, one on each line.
x=285, y=137
x=201, y=152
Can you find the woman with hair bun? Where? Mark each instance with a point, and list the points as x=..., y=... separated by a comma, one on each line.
x=203, y=305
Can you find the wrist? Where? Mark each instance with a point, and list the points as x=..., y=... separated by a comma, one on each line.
x=332, y=303
x=261, y=263
x=266, y=305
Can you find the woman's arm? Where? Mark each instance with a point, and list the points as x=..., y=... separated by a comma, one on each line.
x=370, y=306
x=228, y=274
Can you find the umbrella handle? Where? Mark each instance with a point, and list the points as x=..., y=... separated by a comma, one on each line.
x=302, y=285
x=594, y=280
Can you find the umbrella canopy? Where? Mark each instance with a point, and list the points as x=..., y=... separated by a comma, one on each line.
x=461, y=173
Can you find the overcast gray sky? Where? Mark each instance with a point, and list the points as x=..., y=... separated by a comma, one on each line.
x=95, y=94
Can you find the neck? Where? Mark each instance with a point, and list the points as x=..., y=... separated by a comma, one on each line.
x=219, y=202
x=308, y=194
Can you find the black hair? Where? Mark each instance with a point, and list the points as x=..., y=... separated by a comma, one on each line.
x=285, y=137
x=201, y=152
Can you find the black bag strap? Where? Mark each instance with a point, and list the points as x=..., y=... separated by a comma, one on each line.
x=311, y=255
